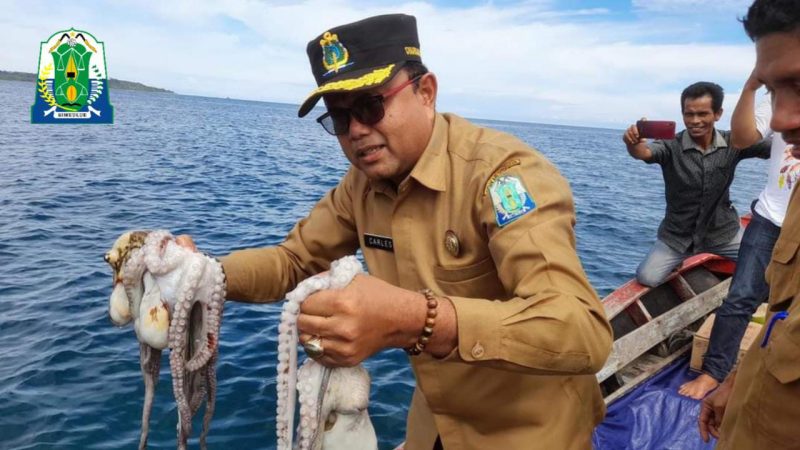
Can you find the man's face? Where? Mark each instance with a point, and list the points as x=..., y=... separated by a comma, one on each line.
x=389, y=149
x=778, y=67
x=699, y=117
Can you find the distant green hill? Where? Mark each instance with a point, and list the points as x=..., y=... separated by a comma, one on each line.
x=113, y=82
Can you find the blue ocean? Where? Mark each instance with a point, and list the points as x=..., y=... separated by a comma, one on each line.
x=233, y=174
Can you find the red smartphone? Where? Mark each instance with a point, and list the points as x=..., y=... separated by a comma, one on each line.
x=656, y=129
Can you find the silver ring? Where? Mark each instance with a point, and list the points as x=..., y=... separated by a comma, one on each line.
x=313, y=347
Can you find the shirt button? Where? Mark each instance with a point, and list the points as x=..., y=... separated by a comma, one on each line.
x=477, y=351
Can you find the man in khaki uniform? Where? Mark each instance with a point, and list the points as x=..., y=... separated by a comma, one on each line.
x=513, y=331
x=758, y=406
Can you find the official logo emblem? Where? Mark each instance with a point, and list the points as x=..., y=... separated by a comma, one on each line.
x=72, y=85
x=334, y=55
x=510, y=199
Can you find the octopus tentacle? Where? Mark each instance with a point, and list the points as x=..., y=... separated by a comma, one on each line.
x=211, y=321
x=157, y=259
x=132, y=273
x=150, y=362
x=311, y=380
x=311, y=385
x=183, y=407
x=179, y=342
x=195, y=389
x=164, y=283
x=287, y=365
x=211, y=385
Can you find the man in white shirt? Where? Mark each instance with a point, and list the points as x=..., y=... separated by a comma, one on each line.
x=749, y=287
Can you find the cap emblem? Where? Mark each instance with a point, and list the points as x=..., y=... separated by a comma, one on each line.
x=334, y=55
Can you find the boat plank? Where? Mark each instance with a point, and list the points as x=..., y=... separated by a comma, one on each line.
x=637, y=342
x=646, y=372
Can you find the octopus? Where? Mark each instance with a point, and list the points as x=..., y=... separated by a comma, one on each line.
x=174, y=297
x=333, y=401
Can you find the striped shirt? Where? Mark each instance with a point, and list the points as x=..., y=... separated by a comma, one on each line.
x=699, y=213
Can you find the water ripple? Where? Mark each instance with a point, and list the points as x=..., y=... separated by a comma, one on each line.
x=234, y=174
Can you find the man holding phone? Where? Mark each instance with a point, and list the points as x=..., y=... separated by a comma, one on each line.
x=698, y=166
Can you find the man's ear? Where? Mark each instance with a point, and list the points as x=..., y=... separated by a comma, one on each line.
x=428, y=87
x=718, y=114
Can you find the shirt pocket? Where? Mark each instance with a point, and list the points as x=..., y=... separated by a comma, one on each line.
x=777, y=412
x=783, y=352
x=782, y=272
x=477, y=280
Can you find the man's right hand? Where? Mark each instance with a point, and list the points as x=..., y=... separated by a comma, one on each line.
x=712, y=409
x=752, y=83
x=631, y=136
x=637, y=146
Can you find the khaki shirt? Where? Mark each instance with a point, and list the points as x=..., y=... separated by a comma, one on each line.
x=764, y=408
x=531, y=330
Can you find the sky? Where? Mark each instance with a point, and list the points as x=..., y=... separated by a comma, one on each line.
x=570, y=62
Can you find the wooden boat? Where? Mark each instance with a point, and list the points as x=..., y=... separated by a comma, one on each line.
x=654, y=326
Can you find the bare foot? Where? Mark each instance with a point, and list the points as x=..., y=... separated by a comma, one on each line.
x=699, y=387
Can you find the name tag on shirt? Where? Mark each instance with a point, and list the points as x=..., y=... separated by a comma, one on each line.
x=379, y=242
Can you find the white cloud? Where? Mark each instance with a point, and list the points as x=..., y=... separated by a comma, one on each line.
x=692, y=6
x=530, y=62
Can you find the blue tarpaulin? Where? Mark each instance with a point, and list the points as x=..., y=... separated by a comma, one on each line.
x=654, y=416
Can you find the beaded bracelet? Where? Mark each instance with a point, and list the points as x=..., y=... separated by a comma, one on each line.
x=427, y=330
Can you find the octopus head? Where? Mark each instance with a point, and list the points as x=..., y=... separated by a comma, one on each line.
x=119, y=305
x=121, y=249
x=344, y=416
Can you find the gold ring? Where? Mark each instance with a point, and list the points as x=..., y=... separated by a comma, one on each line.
x=313, y=347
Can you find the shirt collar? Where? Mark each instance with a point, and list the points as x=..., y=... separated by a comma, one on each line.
x=687, y=143
x=431, y=168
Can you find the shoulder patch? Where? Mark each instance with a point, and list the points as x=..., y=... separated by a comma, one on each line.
x=507, y=165
x=510, y=199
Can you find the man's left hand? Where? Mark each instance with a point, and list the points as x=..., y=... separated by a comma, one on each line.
x=712, y=409
x=355, y=322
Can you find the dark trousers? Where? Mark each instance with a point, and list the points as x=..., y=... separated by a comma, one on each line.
x=748, y=290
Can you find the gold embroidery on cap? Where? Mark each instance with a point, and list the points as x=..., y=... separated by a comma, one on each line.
x=507, y=165
x=413, y=51
x=377, y=76
x=451, y=243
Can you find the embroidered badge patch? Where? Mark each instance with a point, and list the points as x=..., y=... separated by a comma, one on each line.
x=334, y=55
x=72, y=84
x=510, y=199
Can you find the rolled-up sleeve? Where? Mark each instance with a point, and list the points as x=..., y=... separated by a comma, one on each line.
x=326, y=234
x=554, y=323
x=659, y=152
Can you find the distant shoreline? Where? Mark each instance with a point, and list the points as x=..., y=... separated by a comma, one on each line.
x=112, y=82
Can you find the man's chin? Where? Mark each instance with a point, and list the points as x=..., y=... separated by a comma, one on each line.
x=374, y=172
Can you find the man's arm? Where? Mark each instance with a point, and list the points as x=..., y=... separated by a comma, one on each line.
x=744, y=131
x=261, y=275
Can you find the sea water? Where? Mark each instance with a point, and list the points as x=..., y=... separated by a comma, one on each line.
x=233, y=174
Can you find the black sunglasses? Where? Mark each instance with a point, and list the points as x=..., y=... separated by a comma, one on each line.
x=367, y=109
